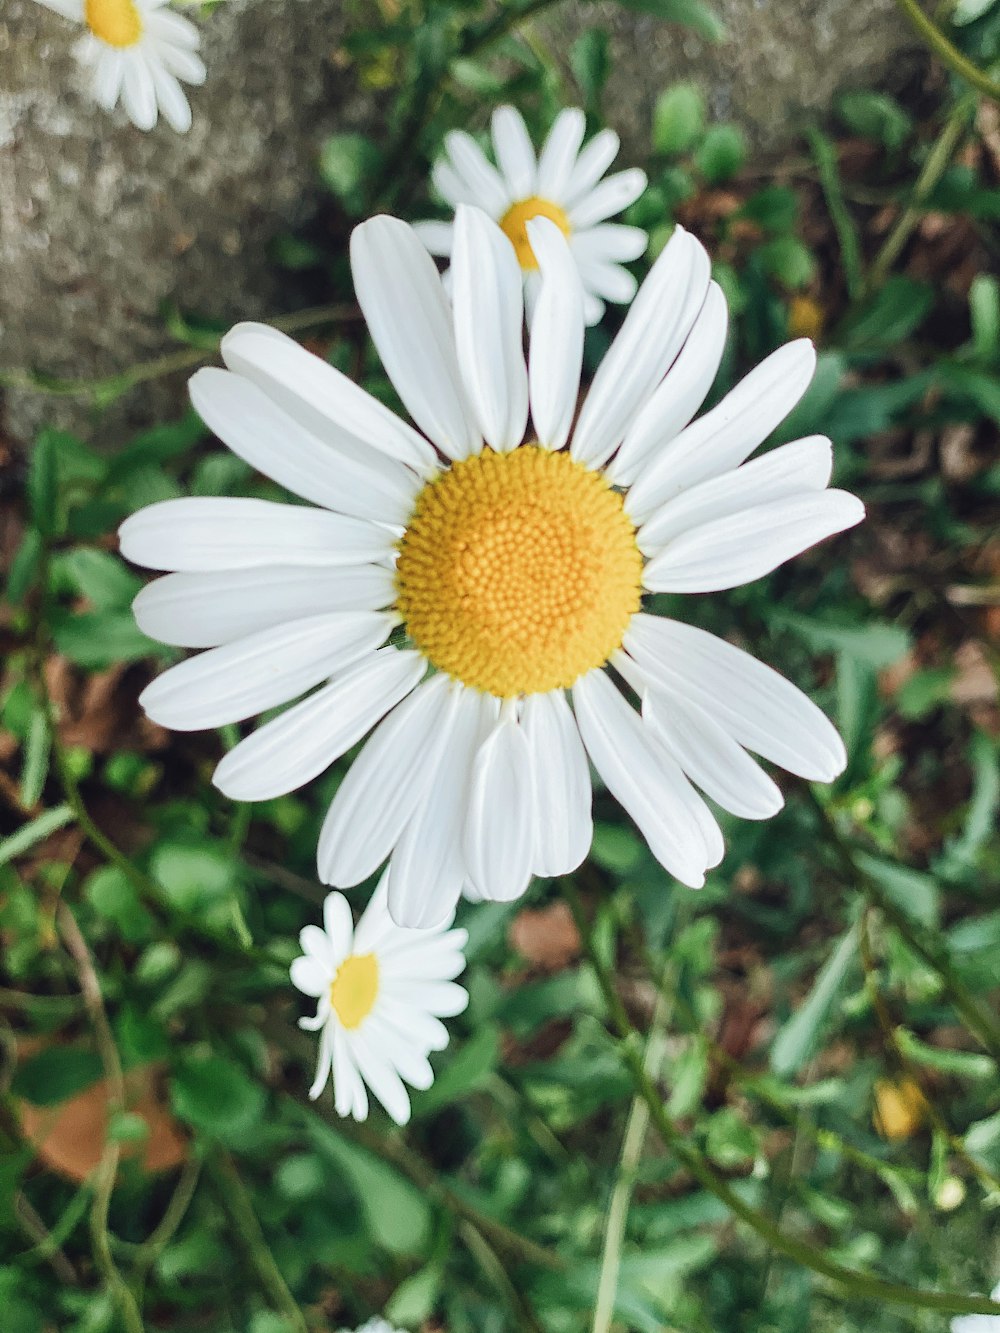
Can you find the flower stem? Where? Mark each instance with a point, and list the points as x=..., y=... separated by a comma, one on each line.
x=946, y=50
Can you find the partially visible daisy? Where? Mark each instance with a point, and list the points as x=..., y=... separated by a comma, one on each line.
x=471, y=591
x=375, y=1325
x=978, y=1323
x=382, y=993
x=563, y=184
x=138, y=51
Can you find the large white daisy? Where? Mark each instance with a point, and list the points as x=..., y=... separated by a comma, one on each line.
x=473, y=588
x=382, y=993
x=563, y=184
x=978, y=1323
x=138, y=51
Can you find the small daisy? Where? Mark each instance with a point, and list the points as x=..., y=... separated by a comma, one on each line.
x=375, y=1325
x=382, y=993
x=979, y=1323
x=139, y=51
x=473, y=589
x=562, y=184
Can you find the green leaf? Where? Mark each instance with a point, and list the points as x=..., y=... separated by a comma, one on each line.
x=965, y=1064
x=43, y=483
x=414, y=1299
x=789, y=261
x=216, y=1095
x=102, y=578
x=467, y=1069
x=34, y=831
x=678, y=119
x=893, y=314
x=113, y=896
x=56, y=1074
x=775, y=208
x=347, y=164
x=967, y=11
x=721, y=154
x=37, y=748
x=689, y=13
x=730, y=1141
x=397, y=1216
x=798, y=1038
x=913, y=891
x=98, y=639
x=984, y=312
x=877, y=643
x=590, y=61
x=875, y=116
x=194, y=875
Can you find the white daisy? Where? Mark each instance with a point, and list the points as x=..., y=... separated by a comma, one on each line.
x=509, y=562
x=563, y=184
x=382, y=993
x=139, y=51
x=979, y=1323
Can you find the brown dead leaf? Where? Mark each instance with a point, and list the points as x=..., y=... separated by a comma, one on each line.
x=69, y=1138
x=975, y=681
x=546, y=936
x=99, y=711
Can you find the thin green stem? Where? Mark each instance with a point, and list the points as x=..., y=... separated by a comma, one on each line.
x=933, y=169
x=946, y=50
x=825, y=157
x=809, y=1256
x=237, y=1201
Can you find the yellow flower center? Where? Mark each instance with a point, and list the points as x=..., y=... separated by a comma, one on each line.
x=116, y=22
x=518, y=572
x=514, y=225
x=354, y=989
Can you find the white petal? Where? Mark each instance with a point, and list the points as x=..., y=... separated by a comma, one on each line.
x=108, y=78
x=804, y=465
x=729, y=552
x=680, y=394
x=310, y=976
x=556, y=343
x=383, y=1080
x=173, y=28
x=338, y=923
x=499, y=836
x=400, y=294
x=202, y=533
x=711, y=758
x=478, y=180
x=349, y=1093
x=455, y=190
x=489, y=311
x=562, y=793
x=382, y=788
x=428, y=1031
x=324, y=1064
x=316, y=394
x=610, y=242
x=611, y=282
x=204, y=610
x=593, y=309
x=308, y=737
x=591, y=165
x=427, y=868
x=760, y=709
x=646, y=781
x=728, y=435
x=612, y=196
x=249, y=676
x=438, y=237
x=559, y=153
x=170, y=97
x=182, y=63
x=442, y=998
x=138, y=91
x=338, y=472
x=658, y=322
x=514, y=152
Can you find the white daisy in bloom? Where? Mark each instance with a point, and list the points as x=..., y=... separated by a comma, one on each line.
x=138, y=51
x=473, y=588
x=382, y=993
x=563, y=184
x=979, y=1323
